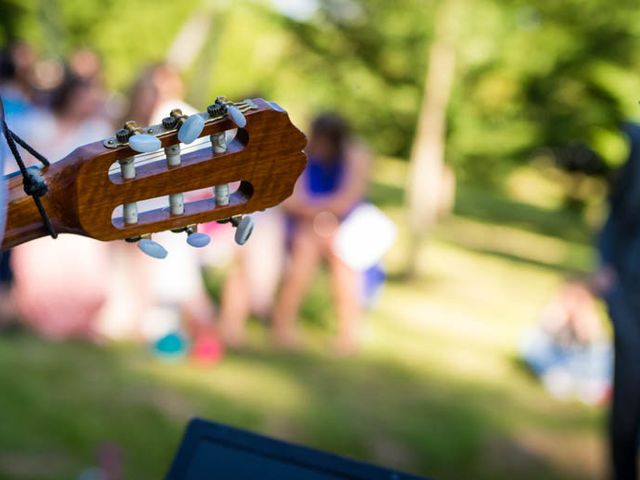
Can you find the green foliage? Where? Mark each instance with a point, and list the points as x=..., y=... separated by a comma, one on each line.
x=127, y=33
x=558, y=72
x=529, y=74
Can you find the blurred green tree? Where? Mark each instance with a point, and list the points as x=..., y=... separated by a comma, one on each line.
x=528, y=75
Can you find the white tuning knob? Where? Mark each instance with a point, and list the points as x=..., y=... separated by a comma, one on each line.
x=151, y=248
x=236, y=116
x=144, y=143
x=277, y=107
x=198, y=240
x=191, y=129
x=244, y=228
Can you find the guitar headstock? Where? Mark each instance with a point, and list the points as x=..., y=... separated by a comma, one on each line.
x=138, y=182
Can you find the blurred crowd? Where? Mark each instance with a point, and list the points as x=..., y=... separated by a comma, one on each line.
x=76, y=287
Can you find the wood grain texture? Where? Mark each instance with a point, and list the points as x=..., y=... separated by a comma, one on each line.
x=266, y=156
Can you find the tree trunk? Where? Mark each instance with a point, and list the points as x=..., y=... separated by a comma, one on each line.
x=426, y=171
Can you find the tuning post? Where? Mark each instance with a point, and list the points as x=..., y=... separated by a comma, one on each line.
x=176, y=200
x=138, y=140
x=172, y=153
x=128, y=172
x=221, y=193
x=176, y=203
x=218, y=142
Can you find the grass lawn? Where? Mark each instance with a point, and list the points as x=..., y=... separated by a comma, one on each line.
x=436, y=390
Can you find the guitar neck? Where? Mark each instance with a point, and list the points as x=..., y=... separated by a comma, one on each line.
x=24, y=222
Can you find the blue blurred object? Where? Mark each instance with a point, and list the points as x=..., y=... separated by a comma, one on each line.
x=172, y=346
x=372, y=281
x=569, y=369
x=214, y=451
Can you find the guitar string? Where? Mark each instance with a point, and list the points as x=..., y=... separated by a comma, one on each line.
x=201, y=143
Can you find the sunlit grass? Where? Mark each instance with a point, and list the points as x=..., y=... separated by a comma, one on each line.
x=436, y=388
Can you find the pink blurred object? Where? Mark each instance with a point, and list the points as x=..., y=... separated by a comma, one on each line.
x=207, y=349
x=61, y=285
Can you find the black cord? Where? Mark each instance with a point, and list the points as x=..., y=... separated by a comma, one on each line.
x=30, y=149
x=34, y=185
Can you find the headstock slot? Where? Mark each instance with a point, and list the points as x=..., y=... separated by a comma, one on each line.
x=151, y=214
x=145, y=158
x=150, y=165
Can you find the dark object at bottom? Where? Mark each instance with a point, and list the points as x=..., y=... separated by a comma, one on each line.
x=214, y=451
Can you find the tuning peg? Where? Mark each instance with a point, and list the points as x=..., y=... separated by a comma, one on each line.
x=244, y=228
x=144, y=143
x=151, y=248
x=236, y=116
x=191, y=129
x=198, y=240
x=277, y=107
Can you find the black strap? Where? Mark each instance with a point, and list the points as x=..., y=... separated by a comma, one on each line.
x=34, y=185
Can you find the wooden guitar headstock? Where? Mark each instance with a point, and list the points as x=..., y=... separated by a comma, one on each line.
x=96, y=180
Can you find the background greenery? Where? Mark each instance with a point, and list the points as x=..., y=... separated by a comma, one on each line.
x=530, y=74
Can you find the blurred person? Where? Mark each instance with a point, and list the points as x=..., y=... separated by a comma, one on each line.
x=332, y=186
x=86, y=64
x=60, y=284
x=253, y=276
x=177, y=297
x=618, y=280
x=568, y=348
x=16, y=64
x=158, y=90
x=253, y=273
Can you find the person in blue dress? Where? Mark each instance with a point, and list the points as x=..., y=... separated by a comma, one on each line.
x=618, y=280
x=333, y=184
